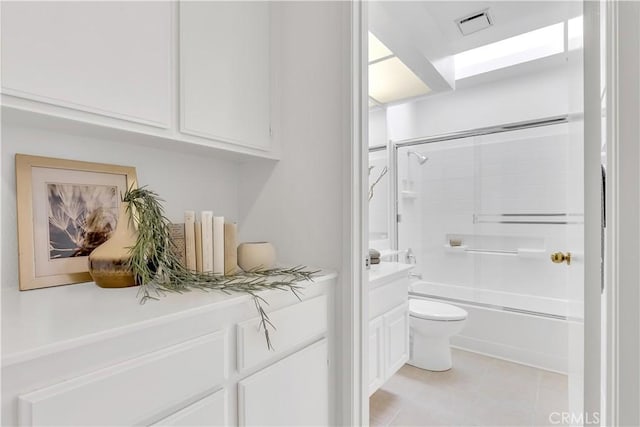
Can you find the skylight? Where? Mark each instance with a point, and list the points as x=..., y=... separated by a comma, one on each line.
x=377, y=50
x=389, y=78
x=525, y=47
x=574, y=33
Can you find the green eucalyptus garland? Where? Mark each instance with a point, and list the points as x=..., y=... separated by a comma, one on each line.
x=157, y=269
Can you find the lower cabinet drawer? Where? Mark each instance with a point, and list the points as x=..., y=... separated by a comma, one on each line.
x=386, y=297
x=296, y=325
x=133, y=391
x=210, y=411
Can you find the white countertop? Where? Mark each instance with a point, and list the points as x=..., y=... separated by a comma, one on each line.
x=387, y=271
x=43, y=320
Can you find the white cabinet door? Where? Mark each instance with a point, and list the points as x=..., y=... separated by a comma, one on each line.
x=376, y=355
x=224, y=71
x=396, y=326
x=210, y=411
x=291, y=392
x=108, y=58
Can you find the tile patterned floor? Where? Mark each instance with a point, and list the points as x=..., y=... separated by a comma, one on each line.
x=478, y=391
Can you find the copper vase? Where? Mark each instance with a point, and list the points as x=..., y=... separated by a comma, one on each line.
x=108, y=263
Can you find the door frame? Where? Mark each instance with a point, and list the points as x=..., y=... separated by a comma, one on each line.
x=352, y=332
x=592, y=344
x=355, y=401
x=622, y=364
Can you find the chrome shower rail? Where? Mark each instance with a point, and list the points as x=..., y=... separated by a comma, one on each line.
x=375, y=148
x=490, y=306
x=555, y=120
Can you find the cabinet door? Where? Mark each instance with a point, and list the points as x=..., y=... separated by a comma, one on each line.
x=210, y=411
x=396, y=326
x=291, y=392
x=108, y=58
x=376, y=355
x=131, y=391
x=224, y=71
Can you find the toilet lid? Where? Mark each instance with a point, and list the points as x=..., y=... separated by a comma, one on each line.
x=432, y=310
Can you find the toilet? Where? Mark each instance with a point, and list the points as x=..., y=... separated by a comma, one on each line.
x=431, y=324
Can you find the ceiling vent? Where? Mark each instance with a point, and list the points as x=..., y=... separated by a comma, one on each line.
x=474, y=22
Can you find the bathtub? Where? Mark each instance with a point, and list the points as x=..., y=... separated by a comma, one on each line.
x=524, y=329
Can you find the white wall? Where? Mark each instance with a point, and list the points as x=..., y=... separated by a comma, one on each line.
x=297, y=203
x=525, y=97
x=514, y=172
x=379, y=209
x=184, y=181
x=378, y=127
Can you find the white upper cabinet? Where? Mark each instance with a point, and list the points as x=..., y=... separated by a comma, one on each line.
x=224, y=72
x=109, y=58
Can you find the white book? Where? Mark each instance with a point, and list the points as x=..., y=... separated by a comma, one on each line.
x=230, y=249
x=190, y=239
x=207, y=241
x=218, y=245
x=198, y=247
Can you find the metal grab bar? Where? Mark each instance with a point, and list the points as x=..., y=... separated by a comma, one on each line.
x=511, y=252
x=521, y=218
x=492, y=251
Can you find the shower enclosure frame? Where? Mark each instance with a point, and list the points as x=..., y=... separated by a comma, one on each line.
x=393, y=146
x=592, y=392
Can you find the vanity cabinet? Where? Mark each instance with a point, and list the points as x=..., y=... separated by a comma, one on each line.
x=388, y=345
x=169, y=362
x=376, y=355
x=389, y=321
x=108, y=58
x=396, y=339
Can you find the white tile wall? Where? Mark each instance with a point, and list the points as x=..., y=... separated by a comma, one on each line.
x=513, y=172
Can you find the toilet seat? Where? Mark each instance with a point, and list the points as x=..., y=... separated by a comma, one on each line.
x=431, y=310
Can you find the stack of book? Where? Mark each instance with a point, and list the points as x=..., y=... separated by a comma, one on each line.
x=207, y=245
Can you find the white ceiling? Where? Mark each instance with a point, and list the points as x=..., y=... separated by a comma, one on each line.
x=510, y=18
x=428, y=30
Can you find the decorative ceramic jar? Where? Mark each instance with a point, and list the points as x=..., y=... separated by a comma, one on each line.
x=256, y=256
x=108, y=262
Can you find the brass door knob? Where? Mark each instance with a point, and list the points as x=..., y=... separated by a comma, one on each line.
x=559, y=257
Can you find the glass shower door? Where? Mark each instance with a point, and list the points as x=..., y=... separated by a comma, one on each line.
x=484, y=216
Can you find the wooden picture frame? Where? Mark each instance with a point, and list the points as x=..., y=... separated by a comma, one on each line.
x=65, y=209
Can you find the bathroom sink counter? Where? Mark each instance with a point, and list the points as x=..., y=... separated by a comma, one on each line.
x=386, y=272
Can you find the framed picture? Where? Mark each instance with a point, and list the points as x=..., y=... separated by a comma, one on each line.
x=66, y=208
